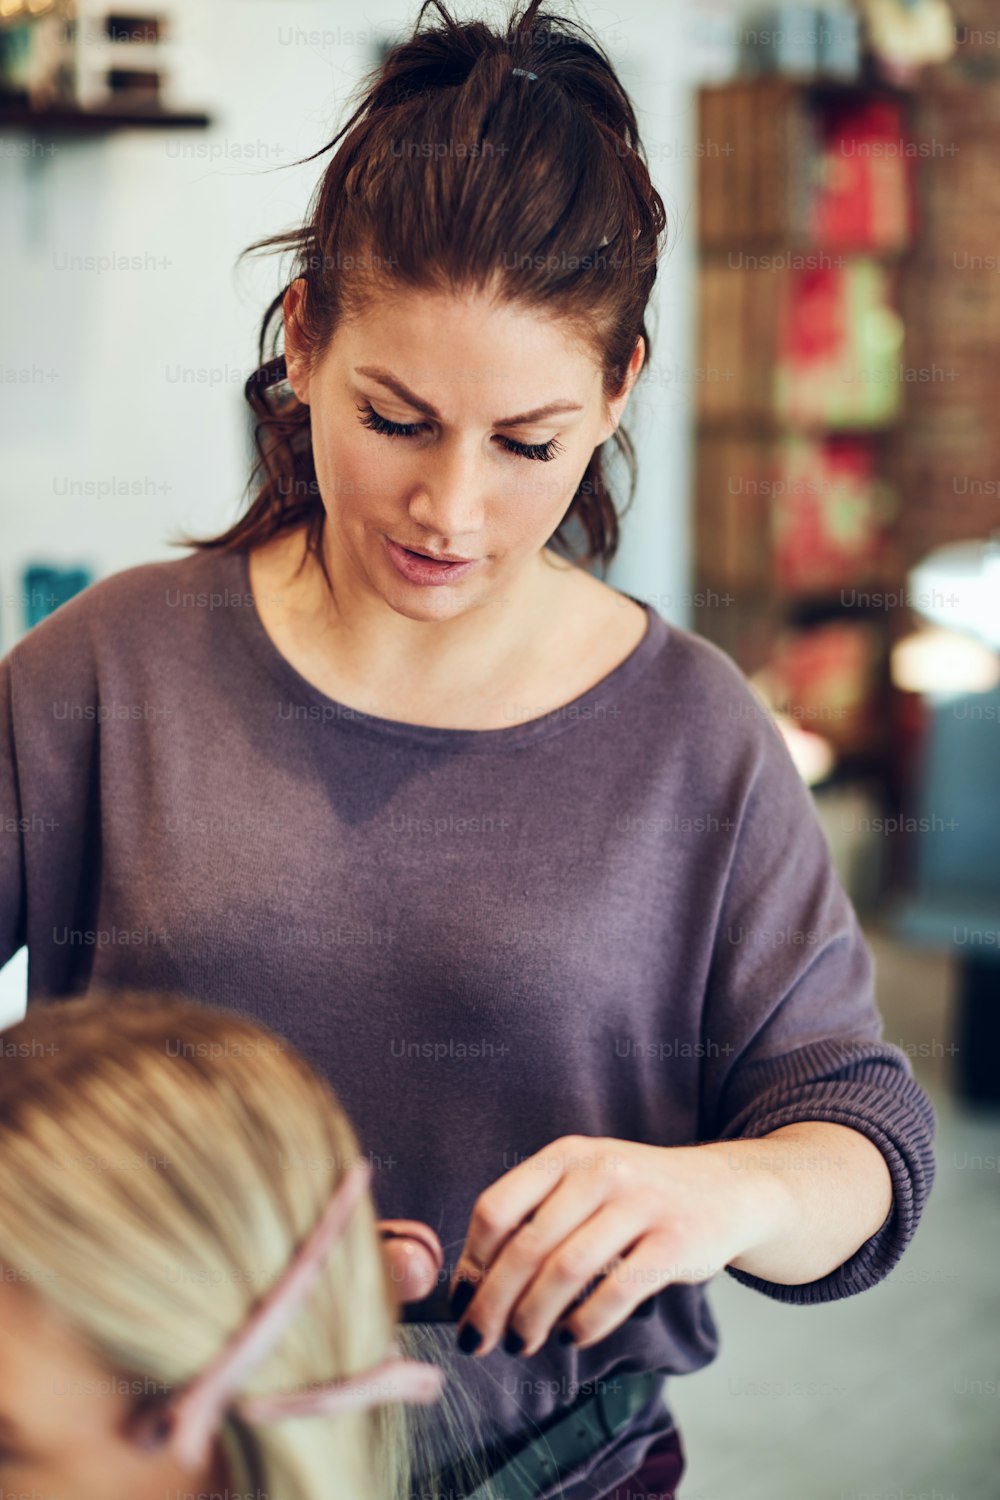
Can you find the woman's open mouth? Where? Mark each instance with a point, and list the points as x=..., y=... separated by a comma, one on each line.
x=416, y=567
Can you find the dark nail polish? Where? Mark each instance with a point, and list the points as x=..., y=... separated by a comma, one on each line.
x=461, y=1297
x=469, y=1339
x=565, y=1335
x=513, y=1342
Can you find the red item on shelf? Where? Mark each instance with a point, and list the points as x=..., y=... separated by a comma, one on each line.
x=865, y=194
x=814, y=328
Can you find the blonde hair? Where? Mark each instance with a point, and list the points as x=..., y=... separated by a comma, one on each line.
x=160, y=1161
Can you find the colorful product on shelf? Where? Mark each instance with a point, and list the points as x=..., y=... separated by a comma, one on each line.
x=826, y=678
x=829, y=515
x=864, y=197
x=838, y=348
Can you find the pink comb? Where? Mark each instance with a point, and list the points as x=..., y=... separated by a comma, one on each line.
x=189, y=1420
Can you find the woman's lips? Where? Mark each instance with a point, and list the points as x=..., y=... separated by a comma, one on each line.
x=425, y=570
x=432, y=557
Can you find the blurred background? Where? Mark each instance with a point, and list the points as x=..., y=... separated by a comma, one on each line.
x=819, y=494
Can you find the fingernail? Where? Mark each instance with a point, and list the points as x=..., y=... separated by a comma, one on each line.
x=469, y=1339
x=513, y=1342
x=565, y=1335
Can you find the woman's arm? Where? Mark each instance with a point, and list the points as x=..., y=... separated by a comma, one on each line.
x=833, y=1190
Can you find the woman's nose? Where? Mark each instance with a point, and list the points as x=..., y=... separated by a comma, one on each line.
x=449, y=502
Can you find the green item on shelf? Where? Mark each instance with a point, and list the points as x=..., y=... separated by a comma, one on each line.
x=839, y=349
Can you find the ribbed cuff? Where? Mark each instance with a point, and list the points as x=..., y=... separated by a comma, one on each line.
x=870, y=1088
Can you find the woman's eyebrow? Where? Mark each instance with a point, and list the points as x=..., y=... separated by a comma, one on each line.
x=386, y=378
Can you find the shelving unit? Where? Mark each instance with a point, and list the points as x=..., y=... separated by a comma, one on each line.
x=804, y=232
x=82, y=67
x=65, y=119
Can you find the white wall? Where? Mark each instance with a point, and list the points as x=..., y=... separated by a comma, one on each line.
x=130, y=423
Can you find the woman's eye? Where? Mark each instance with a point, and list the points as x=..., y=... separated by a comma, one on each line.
x=377, y=423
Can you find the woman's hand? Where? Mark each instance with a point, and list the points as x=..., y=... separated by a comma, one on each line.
x=642, y=1216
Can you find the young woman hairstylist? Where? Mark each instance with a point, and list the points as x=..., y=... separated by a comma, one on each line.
x=525, y=871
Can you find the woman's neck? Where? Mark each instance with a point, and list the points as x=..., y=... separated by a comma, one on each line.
x=362, y=653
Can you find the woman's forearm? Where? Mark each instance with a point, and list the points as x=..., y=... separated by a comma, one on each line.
x=833, y=1188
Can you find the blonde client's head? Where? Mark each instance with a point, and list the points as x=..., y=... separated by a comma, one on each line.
x=161, y=1163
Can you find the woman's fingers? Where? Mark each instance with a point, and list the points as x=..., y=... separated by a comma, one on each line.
x=584, y=1263
x=651, y=1265
x=515, y=1200
x=414, y=1257
x=567, y=1246
x=586, y=1233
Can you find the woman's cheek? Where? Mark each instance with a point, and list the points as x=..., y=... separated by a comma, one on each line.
x=346, y=481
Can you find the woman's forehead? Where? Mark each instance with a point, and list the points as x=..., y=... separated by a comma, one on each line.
x=410, y=313
x=503, y=367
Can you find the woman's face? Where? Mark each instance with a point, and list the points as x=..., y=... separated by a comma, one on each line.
x=471, y=384
x=63, y=1417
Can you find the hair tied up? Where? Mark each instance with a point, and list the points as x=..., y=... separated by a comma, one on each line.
x=548, y=205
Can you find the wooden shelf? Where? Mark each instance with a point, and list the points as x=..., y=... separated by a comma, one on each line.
x=786, y=244
x=772, y=429
x=65, y=119
x=798, y=609
x=867, y=764
x=760, y=194
x=869, y=84
x=803, y=610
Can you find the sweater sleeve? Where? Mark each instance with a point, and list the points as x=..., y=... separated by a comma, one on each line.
x=791, y=1028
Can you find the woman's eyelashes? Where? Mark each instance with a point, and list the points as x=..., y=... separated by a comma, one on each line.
x=377, y=423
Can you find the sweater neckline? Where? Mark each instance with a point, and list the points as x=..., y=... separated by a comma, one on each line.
x=586, y=708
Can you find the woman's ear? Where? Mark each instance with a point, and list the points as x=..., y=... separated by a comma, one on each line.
x=616, y=407
x=296, y=360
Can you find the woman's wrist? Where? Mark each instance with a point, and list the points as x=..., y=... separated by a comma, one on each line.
x=750, y=1175
x=812, y=1193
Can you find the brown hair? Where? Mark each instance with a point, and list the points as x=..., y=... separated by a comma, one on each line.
x=551, y=165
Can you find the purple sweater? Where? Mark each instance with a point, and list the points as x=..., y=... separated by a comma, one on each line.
x=620, y=919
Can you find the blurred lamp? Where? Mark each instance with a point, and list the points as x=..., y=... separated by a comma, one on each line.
x=938, y=661
x=958, y=586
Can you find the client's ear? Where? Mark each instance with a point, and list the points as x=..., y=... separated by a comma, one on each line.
x=414, y=1257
